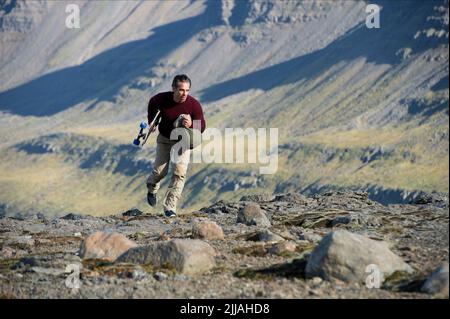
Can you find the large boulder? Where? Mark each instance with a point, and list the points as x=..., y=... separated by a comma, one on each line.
x=207, y=230
x=187, y=256
x=437, y=283
x=251, y=214
x=348, y=257
x=101, y=245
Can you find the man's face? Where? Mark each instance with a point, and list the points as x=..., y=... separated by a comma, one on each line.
x=181, y=92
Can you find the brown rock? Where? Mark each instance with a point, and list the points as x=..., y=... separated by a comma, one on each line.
x=268, y=236
x=252, y=214
x=107, y=246
x=281, y=248
x=207, y=230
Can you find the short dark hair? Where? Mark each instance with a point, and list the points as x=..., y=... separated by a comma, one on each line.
x=180, y=78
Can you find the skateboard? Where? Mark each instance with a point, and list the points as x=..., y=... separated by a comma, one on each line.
x=145, y=130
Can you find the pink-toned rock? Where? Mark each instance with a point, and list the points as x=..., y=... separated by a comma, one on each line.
x=207, y=230
x=107, y=246
x=282, y=248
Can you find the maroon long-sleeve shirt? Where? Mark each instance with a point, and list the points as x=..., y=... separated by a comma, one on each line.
x=170, y=110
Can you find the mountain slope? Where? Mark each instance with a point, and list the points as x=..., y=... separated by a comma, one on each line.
x=355, y=107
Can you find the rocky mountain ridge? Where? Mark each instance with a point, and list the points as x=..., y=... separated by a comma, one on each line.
x=283, y=246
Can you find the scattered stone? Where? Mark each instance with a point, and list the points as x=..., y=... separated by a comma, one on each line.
x=180, y=277
x=423, y=199
x=438, y=282
x=311, y=237
x=220, y=207
x=18, y=216
x=363, y=219
x=251, y=214
x=37, y=216
x=160, y=276
x=267, y=236
x=132, y=213
x=41, y=216
x=258, y=198
x=434, y=198
x=291, y=198
x=7, y=252
x=258, y=250
x=313, y=292
x=163, y=237
x=207, y=230
x=286, y=234
x=304, y=243
x=48, y=271
x=139, y=235
x=25, y=263
x=354, y=219
x=316, y=281
x=106, y=246
x=285, y=247
x=340, y=220
x=35, y=228
x=313, y=222
x=346, y=256
x=72, y=216
x=138, y=274
x=188, y=256
x=21, y=240
x=72, y=258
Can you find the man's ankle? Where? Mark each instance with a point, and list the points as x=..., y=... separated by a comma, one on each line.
x=169, y=213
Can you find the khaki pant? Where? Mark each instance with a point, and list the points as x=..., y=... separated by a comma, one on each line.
x=160, y=169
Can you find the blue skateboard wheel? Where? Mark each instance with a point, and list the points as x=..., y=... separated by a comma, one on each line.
x=143, y=125
x=136, y=142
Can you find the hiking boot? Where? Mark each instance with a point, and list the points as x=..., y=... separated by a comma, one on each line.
x=170, y=213
x=151, y=199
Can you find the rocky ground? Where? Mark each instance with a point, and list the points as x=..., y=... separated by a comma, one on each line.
x=262, y=248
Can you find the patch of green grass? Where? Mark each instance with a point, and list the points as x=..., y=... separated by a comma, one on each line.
x=166, y=268
x=403, y=281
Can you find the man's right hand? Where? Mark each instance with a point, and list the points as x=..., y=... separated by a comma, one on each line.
x=187, y=120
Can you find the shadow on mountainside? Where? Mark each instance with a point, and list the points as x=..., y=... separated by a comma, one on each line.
x=399, y=21
x=101, y=77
